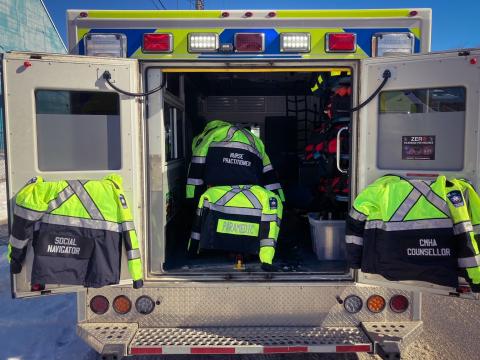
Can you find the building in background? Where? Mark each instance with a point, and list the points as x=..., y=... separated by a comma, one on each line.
x=26, y=25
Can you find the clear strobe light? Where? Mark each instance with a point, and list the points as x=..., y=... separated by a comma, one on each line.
x=202, y=42
x=295, y=42
x=111, y=45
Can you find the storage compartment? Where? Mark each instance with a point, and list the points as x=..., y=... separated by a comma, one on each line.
x=290, y=118
x=328, y=237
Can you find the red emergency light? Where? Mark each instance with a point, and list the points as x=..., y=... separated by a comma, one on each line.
x=340, y=42
x=250, y=42
x=157, y=42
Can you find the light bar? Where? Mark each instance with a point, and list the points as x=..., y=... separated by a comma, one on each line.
x=249, y=42
x=111, y=45
x=202, y=42
x=340, y=42
x=388, y=44
x=295, y=42
x=157, y=43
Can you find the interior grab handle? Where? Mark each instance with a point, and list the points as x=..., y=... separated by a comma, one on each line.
x=339, y=133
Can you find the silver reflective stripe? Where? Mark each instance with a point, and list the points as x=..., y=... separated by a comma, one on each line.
x=462, y=228
x=427, y=191
x=63, y=196
x=469, y=262
x=357, y=215
x=236, y=145
x=191, y=181
x=232, y=210
x=273, y=186
x=406, y=205
x=17, y=243
x=82, y=223
x=409, y=225
x=128, y=226
x=228, y=196
x=279, y=221
x=267, y=242
x=230, y=133
x=27, y=214
x=86, y=200
x=249, y=136
x=269, y=217
x=267, y=168
x=199, y=212
x=195, y=236
x=476, y=229
x=133, y=254
x=199, y=159
x=252, y=198
x=352, y=239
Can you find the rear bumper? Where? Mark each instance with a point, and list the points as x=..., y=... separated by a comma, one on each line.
x=124, y=339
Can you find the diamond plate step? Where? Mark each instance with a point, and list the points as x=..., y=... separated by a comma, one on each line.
x=108, y=338
x=249, y=340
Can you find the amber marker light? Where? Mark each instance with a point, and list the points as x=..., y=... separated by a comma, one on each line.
x=376, y=303
x=122, y=304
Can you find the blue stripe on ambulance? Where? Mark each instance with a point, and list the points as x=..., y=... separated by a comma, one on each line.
x=364, y=37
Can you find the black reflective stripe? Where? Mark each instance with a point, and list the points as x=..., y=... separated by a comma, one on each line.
x=62, y=196
x=406, y=205
x=86, y=200
x=410, y=225
x=252, y=198
x=27, y=214
x=17, y=243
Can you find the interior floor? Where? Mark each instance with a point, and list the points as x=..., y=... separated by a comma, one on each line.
x=285, y=112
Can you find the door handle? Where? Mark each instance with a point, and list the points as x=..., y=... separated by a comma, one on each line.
x=338, y=149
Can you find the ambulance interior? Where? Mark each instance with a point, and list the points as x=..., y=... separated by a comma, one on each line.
x=297, y=115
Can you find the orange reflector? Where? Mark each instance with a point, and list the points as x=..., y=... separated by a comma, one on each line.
x=122, y=304
x=376, y=303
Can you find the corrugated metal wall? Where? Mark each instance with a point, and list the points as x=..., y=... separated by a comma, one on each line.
x=26, y=25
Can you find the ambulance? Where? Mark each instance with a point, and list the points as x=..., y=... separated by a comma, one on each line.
x=137, y=86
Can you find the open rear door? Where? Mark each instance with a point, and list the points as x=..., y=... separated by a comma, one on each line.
x=64, y=122
x=423, y=123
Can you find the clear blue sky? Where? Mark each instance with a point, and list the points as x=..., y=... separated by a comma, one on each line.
x=454, y=22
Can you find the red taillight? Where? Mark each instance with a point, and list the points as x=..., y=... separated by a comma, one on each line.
x=157, y=42
x=272, y=14
x=225, y=14
x=249, y=42
x=83, y=14
x=399, y=303
x=341, y=42
x=99, y=304
x=248, y=14
x=413, y=13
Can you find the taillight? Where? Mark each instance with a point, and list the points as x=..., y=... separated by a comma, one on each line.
x=144, y=305
x=249, y=42
x=340, y=42
x=352, y=304
x=376, y=303
x=99, y=304
x=399, y=303
x=122, y=304
x=111, y=45
x=157, y=42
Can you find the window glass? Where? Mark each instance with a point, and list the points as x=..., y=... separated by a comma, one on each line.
x=422, y=129
x=78, y=130
x=173, y=124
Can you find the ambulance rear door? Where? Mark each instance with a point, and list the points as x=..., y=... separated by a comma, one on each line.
x=424, y=122
x=63, y=121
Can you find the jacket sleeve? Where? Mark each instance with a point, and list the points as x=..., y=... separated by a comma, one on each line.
x=355, y=225
x=28, y=209
x=271, y=217
x=466, y=218
x=193, y=246
x=270, y=179
x=130, y=240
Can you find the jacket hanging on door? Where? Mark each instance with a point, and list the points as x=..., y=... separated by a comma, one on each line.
x=81, y=225
x=415, y=230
